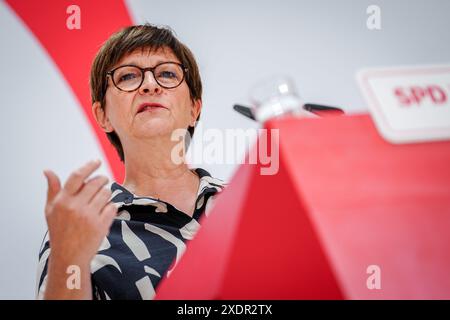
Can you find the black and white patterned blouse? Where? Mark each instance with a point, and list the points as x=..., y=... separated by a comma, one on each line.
x=144, y=244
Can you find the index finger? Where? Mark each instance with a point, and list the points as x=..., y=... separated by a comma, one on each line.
x=77, y=178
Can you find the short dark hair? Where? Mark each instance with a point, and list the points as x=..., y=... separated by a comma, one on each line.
x=129, y=39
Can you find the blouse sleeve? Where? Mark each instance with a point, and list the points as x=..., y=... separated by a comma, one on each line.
x=41, y=280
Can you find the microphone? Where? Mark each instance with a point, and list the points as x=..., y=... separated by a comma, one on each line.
x=317, y=109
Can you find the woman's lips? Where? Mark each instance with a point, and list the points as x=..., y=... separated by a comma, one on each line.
x=150, y=107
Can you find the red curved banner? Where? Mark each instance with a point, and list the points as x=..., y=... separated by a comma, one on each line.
x=73, y=50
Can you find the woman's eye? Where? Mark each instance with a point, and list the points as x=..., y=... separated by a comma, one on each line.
x=168, y=74
x=128, y=76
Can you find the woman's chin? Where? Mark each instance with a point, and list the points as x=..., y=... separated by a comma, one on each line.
x=153, y=128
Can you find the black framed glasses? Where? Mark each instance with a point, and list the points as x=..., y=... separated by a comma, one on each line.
x=129, y=78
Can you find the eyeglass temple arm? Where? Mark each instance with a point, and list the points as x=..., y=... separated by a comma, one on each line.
x=311, y=107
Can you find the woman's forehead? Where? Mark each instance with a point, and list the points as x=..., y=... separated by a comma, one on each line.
x=145, y=57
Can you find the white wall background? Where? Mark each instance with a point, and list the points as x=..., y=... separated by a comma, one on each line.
x=320, y=43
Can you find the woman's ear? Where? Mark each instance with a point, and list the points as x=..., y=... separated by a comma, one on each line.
x=101, y=118
x=195, y=111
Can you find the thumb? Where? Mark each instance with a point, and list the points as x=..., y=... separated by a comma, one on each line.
x=54, y=185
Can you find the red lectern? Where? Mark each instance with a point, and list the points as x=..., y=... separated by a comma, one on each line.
x=343, y=200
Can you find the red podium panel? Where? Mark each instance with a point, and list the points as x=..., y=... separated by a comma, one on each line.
x=343, y=200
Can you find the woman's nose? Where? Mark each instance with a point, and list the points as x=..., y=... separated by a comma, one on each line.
x=149, y=85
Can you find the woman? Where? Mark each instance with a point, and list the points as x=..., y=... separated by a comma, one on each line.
x=119, y=243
